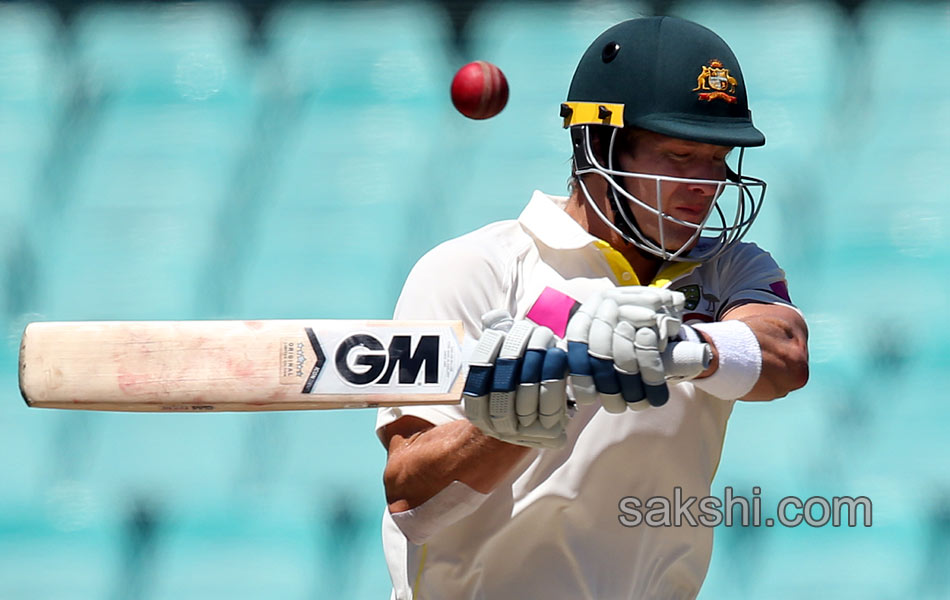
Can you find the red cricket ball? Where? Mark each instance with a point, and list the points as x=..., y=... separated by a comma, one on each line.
x=479, y=90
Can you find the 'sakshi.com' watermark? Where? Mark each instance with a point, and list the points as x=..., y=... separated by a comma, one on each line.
x=710, y=511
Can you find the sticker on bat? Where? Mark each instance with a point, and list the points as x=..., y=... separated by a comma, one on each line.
x=295, y=358
x=375, y=361
x=372, y=363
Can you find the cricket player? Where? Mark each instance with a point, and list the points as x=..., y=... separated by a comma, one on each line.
x=567, y=406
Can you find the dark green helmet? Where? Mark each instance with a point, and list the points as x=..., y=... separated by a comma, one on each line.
x=674, y=78
x=670, y=76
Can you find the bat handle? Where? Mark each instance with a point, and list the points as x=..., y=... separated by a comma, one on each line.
x=685, y=360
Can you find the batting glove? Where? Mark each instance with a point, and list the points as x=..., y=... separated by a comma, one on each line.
x=619, y=351
x=516, y=389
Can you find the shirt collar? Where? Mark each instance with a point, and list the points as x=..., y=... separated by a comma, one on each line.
x=546, y=220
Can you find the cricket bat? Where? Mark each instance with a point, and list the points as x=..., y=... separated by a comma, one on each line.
x=171, y=366
x=204, y=366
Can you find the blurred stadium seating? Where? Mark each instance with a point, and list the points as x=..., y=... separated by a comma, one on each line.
x=197, y=160
x=354, y=173
x=497, y=164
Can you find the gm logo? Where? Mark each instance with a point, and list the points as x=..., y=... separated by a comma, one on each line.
x=362, y=359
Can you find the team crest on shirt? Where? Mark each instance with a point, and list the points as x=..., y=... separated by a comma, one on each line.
x=699, y=305
x=693, y=295
x=715, y=78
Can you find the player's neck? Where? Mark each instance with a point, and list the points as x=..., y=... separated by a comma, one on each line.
x=645, y=266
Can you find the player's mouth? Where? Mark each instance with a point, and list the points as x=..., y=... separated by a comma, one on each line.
x=691, y=213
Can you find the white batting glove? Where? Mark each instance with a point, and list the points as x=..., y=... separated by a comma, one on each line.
x=516, y=390
x=619, y=351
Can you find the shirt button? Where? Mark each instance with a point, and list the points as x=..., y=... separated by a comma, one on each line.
x=627, y=276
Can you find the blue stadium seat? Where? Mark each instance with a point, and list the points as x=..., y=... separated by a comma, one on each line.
x=500, y=162
x=174, y=459
x=254, y=549
x=171, y=114
x=907, y=45
x=336, y=236
x=353, y=186
x=905, y=104
x=887, y=207
x=327, y=264
x=378, y=53
x=875, y=562
x=883, y=182
x=118, y=262
x=24, y=469
x=30, y=72
x=538, y=45
x=183, y=52
x=235, y=563
x=55, y=565
x=31, y=82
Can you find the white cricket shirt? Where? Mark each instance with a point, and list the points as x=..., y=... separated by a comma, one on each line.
x=552, y=528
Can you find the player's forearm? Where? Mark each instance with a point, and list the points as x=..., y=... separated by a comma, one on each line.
x=422, y=464
x=784, y=356
x=782, y=338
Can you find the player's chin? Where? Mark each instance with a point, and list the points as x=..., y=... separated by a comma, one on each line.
x=678, y=235
x=681, y=242
x=673, y=244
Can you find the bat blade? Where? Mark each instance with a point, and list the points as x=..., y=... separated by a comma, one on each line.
x=203, y=366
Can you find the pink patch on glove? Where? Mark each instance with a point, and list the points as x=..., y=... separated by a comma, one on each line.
x=553, y=309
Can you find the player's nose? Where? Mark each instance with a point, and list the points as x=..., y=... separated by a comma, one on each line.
x=707, y=181
x=706, y=190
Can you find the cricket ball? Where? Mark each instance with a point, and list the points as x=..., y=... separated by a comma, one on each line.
x=479, y=90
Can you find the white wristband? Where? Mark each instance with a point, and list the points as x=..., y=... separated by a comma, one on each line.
x=740, y=359
x=454, y=502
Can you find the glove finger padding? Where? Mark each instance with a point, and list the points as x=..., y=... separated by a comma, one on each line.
x=480, y=371
x=604, y=364
x=638, y=316
x=526, y=400
x=628, y=367
x=600, y=351
x=668, y=327
x=498, y=319
x=516, y=386
x=501, y=407
x=579, y=365
x=652, y=371
x=659, y=299
x=664, y=317
x=552, y=401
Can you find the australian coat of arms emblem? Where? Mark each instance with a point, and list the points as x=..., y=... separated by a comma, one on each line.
x=715, y=78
